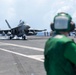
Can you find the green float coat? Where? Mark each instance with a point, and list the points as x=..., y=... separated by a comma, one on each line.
x=60, y=54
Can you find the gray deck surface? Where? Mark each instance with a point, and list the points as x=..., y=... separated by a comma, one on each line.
x=22, y=57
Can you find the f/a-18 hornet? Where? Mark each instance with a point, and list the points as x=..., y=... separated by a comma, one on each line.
x=22, y=30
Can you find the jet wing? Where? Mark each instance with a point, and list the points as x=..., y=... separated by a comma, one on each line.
x=5, y=31
x=37, y=30
x=33, y=31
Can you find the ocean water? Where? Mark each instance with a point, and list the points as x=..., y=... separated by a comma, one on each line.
x=43, y=34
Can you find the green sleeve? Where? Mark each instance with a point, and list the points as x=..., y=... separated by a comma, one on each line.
x=70, y=52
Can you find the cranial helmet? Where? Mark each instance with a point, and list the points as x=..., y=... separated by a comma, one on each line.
x=62, y=22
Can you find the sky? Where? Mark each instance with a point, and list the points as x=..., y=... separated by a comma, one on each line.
x=36, y=13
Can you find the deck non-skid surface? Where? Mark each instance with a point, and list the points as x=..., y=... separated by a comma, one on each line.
x=22, y=57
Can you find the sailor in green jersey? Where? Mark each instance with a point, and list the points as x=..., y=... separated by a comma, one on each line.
x=60, y=50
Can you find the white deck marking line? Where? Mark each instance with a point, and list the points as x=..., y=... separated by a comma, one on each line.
x=28, y=47
x=20, y=54
x=38, y=56
x=2, y=44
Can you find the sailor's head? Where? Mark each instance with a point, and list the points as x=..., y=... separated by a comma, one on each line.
x=62, y=22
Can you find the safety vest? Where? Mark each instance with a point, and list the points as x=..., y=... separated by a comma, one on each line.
x=58, y=57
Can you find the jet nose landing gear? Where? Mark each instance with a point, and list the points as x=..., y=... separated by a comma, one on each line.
x=24, y=37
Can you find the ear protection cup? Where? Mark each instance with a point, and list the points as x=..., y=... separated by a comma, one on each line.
x=52, y=26
x=72, y=26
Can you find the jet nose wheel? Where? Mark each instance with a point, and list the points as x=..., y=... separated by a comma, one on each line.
x=24, y=37
x=11, y=36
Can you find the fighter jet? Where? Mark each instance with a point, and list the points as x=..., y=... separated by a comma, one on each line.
x=22, y=30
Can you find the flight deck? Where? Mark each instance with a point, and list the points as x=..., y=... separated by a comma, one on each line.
x=22, y=57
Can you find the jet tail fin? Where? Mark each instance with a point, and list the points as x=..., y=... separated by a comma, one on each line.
x=8, y=24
